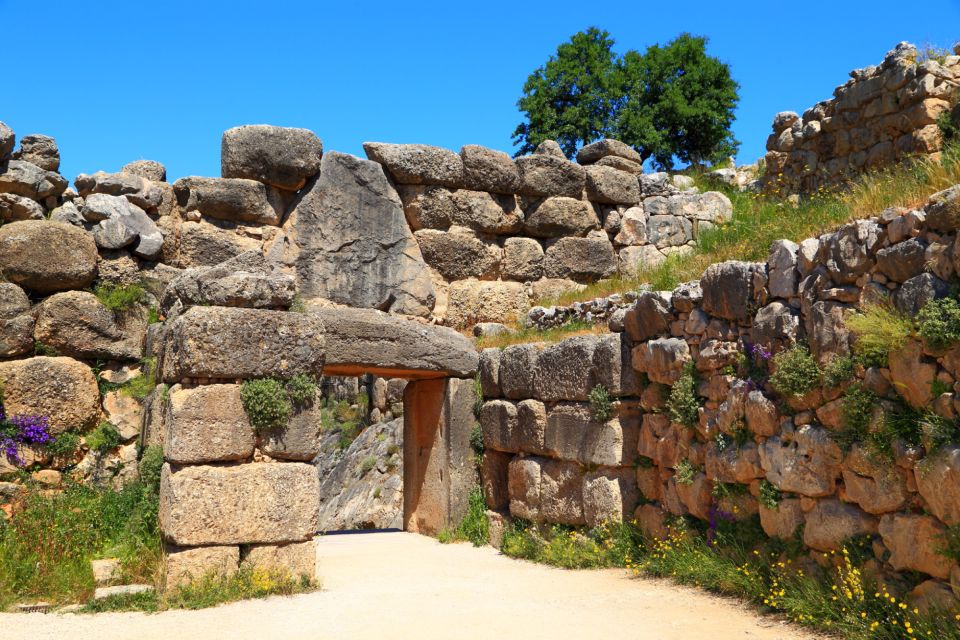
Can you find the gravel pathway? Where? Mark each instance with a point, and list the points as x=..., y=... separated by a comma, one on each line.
x=399, y=585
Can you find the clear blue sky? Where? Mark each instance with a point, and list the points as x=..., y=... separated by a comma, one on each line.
x=119, y=81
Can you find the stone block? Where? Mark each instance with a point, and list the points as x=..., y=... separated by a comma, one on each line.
x=242, y=504
x=186, y=564
x=494, y=478
x=418, y=163
x=498, y=420
x=609, y=495
x=913, y=541
x=62, y=389
x=26, y=258
x=517, y=363
x=473, y=301
x=295, y=559
x=831, y=523
x=221, y=342
x=284, y=157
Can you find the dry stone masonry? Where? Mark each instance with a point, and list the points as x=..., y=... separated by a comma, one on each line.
x=747, y=449
x=882, y=114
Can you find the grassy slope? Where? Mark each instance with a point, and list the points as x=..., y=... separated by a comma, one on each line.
x=760, y=220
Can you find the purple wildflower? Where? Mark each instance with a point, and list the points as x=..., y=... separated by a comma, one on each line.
x=715, y=516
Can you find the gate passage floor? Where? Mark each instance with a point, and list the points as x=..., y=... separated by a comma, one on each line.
x=400, y=586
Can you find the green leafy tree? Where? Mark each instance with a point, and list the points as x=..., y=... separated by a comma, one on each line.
x=673, y=102
x=571, y=98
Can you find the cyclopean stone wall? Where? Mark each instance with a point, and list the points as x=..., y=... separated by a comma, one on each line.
x=498, y=233
x=881, y=115
x=549, y=460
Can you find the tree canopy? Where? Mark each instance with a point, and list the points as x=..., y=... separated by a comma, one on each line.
x=671, y=103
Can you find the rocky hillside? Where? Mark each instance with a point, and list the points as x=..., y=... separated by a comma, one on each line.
x=361, y=487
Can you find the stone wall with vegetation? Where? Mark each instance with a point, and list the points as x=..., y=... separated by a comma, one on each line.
x=819, y=392
x=498, y=233
x=882, y=114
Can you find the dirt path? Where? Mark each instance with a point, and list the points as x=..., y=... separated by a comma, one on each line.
x=398, y=585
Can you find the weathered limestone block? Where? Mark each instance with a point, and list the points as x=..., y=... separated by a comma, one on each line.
x=206, y=424
x=547, y=175
x=875, y=486
x=559, y=216
x=608, y=495
x=850, y=251
x=486, y=212
x=902, y=261
x=427, y=206
x=26, y=258
x=123, y=412
x=662, y=359
x=943, y=210
x=831, y=523
x=498, y=422
x=61, y=388
x=763, y=418
x=650, y=316
x=517, y=363
x=631, y=260
x=532, y=426
x=120, y=223
x=571, y=433
x=248, y=503
x=235, y=199
x=284, y=157
x=826, y=330
x=417, y=163
x=911, y=374
x=580, y=259
x=525, y=485
x=633, y=227
x=295, y=559
x=490, y=373
x=472, y=301
x=143, y=193
x=728, y=289
x=734, y=464
x=561, y=493
x=146, y=169
x=782, y=269
x=938, y=482
x=695, y=497
x=522, y=259
x=809, y=464
x=459, y=253
x=30, y=181
x=206, y=244
x=611, y=186
x=354, y=244
x=368, y=341
x=563, y=371
x=917, y=291
x=244, y=281
x=14, y=207
x=913, y=541
x=667, y=231
x=488, y=170
x=76, y=324
x=933, y=595
x=605, y=148
x=221, y=342
x=185, y=565
x=783, y=521
x=16, y=323
x=622, y=164
x=776, y=326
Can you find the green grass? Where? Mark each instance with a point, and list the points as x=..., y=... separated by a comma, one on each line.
x=119, y=298
x=45, y=550
x=737, y=560
x=758, y=221
x=474, y=527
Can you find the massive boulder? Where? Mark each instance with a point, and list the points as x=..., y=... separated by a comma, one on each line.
x=236, y=199
x=832, y=523
x=206, y=244
x=281, y=156
x=138, y=190
x=938, y=481
x=40, y=150
x=913, y=541
x=809, y=464
x=229, y=343
x=206, y=505
x=28, y=180
x=560, y=216
x=120, y=223
x=547, y=175
x=27, y=257
x=488, y=170
x=368, y=341
x=146, y=169
x=62, y=389
x=14, y=207
x=580, y=259
x=728, y=290
x=471, y=301
x=206, y=423
x=417, y=163
x=605, y=148
x=459, y=253
x=354, y=244
x=612, y=186
x=16, y=323
x=75, y=323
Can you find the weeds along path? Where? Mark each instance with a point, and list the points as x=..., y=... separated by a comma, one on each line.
x=399, y=585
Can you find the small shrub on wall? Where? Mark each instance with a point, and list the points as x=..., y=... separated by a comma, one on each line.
x=683, y=406
x=266, y=402
x=796, y=373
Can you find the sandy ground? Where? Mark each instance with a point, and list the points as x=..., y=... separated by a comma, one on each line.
x=399, y=585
